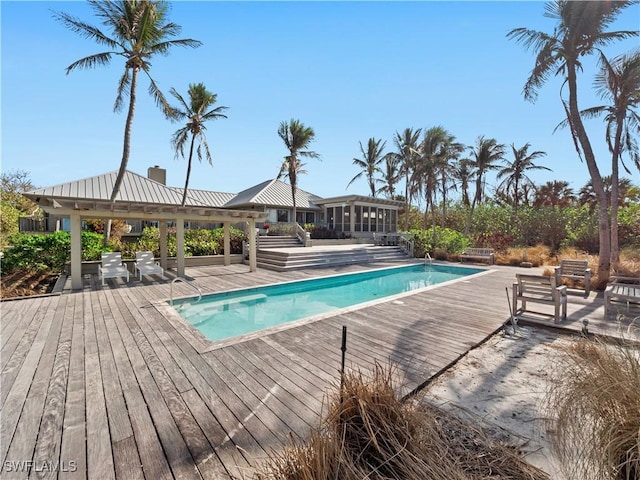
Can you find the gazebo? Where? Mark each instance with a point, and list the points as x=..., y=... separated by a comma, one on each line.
x=139, y=198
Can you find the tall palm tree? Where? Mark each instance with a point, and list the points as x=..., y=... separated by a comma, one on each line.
x=447, y=168
x=425, y=174
x=619, y=82
x=296, y=138
x=198, y=110
x=390, y=176
x=463, y=173
x=407, y=144
x=485, y=154
x=515, y=173
x=370, y=162
x=580, y=31
x=138, y=33
x=554, y=193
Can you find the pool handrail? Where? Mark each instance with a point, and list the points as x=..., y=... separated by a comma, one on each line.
x=184, y=280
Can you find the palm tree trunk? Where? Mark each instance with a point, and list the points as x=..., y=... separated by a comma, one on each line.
x=406, y=199
x=604, y=257
x=186, y=182
x=126, y=148
x=615, y=247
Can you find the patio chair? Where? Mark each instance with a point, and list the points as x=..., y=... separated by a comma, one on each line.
x=575, y=270
x=112, y=266
x=540, y=289
x=145, y=264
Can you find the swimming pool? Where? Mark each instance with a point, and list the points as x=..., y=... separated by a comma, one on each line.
x=229, y=314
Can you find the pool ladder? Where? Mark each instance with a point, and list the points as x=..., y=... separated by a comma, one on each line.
x=183, y=280
x=428, y=259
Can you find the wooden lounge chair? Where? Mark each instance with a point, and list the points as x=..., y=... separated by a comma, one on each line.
x=112, y=266
x=575, y=270
x=540, y=289
x=622, y=291
x=146, y=264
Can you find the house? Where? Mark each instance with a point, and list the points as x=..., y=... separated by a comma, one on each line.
x=354, y=216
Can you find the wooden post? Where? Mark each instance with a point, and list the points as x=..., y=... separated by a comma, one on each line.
x=227, y=244
x=76, y=252
x=180, y=246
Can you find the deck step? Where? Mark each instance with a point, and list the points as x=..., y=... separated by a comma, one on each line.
x=284, y=260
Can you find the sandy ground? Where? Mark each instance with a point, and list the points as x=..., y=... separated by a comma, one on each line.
x=501, y=386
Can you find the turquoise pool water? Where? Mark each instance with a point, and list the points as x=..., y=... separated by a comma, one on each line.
x=229, y=314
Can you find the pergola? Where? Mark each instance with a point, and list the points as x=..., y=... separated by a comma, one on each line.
x=139, y=198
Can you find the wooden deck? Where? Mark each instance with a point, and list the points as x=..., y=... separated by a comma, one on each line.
x=110, y=383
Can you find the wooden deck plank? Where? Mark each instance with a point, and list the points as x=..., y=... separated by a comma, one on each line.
x=15, y=321
x=99, y=452
x=74, y=427
x=298, y=385
x=16, y=348
x=33, y=380
x=48, y=444
x=122, y=442
x=13, y=355
x=270, y=393
x=262, y=423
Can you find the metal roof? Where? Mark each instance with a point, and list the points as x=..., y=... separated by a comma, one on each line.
x=213, y=199
x=134, y=189
x=137, y=195
x=274, y=193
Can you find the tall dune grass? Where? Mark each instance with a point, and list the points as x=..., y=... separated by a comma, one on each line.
x=594, y=409
x=368, y=432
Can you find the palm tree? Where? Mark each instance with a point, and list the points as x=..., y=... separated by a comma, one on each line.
x=581, y=30
x=484, y=157
x=447, y=170
x=514, y=173
x=406, y=154
x=619, y=82
x=198, y=110
x=296, y=138
x=554, y=193
x=390, y=176
x=463, y=173
x=370, y=162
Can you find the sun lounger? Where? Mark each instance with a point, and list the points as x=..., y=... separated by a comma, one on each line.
x=112, y=267
x=146, y=264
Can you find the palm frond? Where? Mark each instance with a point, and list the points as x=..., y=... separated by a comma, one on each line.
x=124, y=87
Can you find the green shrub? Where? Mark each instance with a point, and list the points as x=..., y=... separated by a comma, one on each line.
x=444, y=239
x=48, y=252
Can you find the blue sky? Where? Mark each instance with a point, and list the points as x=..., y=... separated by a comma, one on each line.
x=349, y=70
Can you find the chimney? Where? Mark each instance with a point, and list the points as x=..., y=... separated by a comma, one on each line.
x=157, y=174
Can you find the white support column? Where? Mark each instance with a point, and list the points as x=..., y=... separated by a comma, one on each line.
x=352, y=218
x=180, y=246
x=227, y=244
x=253, y=264
x=76, y=252
x=163, y=244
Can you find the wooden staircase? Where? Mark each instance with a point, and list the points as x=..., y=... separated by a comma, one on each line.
x=294, y=256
